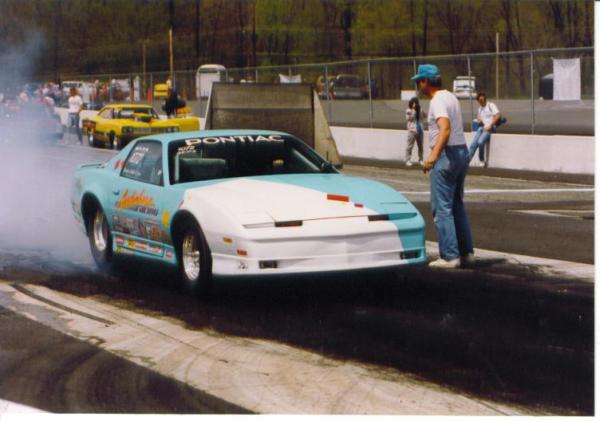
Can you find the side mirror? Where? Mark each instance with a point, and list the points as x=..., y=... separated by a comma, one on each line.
x=327, y=167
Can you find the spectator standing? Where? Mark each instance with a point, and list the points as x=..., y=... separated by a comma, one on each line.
x=414, y=127
x=448, y=162
x=75, y=107
x=488, y=116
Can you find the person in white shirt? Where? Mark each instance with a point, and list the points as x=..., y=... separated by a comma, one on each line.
x=448, y=162
x=75, y=106
x=488, y=116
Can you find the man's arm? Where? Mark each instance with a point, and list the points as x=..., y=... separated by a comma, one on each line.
x=493, y=123
x=440, y=143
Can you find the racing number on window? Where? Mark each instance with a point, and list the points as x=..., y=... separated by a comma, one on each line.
x=144, y=163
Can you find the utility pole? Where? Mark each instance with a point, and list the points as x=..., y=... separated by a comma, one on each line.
x=144, y=42
x=497, y=62
x=171, y=25
x=171, y=54
x=197, y=31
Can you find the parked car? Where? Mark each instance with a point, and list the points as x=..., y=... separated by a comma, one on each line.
x=347, y=86
x=464, y=87
x=116, y=125
x=241, y=202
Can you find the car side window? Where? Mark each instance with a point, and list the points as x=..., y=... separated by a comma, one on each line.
x=144, y=163
x=106, y=113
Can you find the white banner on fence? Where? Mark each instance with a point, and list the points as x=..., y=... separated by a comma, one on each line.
x=567, y=79
x=290, y=79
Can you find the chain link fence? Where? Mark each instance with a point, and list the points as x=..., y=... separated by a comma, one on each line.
x=375, y=92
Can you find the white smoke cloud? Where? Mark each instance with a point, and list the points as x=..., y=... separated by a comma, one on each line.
x=35, y=178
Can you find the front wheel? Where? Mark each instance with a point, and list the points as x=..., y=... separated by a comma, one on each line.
x=100, y=239
x=194, y=260
x=114, y=141
x=91, y=140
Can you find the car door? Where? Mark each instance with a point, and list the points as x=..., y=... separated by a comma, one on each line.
x=140, y=217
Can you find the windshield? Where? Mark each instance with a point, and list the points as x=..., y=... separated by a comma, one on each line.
x=209, y=158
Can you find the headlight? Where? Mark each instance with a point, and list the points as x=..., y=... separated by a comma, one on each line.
x=172, y=129
x=127, y=130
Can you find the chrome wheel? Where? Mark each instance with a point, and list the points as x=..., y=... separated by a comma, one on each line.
x=190, y=251
x=100, y=232
x=115, y=142
x=91, y=138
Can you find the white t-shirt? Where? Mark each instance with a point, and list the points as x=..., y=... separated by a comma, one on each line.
x=445, y=104
x=486, y=113
x=75, y=103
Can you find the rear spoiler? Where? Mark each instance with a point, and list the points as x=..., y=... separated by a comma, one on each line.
x=95, y=164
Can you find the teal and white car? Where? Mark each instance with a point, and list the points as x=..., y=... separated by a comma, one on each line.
x=241, y=202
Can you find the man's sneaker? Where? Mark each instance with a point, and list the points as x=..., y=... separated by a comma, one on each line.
x=409, y=163
x=467, y=260
x=445, y=264
x=421, y=162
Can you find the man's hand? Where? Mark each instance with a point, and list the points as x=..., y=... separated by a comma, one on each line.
x=429, y=163
x=488, y=128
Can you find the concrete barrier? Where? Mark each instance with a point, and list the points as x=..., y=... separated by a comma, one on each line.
x=557, y=154
x=63, y=113
x=561, y=154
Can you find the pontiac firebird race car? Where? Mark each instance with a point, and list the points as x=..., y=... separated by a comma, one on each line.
x=115, y=125
x=241, y=203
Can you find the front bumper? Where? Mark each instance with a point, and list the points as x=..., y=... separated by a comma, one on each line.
x=366, y=250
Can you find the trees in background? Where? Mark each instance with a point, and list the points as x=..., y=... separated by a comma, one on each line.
x=105, y=36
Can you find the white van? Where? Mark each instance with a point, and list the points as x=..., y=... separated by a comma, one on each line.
x=205, y=76
x=464, y=87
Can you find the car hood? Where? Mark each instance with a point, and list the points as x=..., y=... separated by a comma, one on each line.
x=300, y=197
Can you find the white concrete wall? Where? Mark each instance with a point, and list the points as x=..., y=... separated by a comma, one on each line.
x=563, y=154
x=63, y=113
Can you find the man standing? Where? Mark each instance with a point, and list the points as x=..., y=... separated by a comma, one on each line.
x=488, y=116
x=448, y=162
x=75, y=107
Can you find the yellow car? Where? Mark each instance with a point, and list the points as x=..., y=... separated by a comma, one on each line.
x=115, y=125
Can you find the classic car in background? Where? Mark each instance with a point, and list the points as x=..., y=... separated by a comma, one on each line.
x=116, y=125
x=347, y=86
x=240, y=202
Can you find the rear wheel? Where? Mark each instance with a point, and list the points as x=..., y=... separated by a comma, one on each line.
x=100, y=239
x=194, y=259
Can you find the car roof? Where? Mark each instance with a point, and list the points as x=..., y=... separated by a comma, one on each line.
x=173, y=137
x=128, y=105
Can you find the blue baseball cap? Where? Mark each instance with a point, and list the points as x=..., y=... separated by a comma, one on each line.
x=426, y=71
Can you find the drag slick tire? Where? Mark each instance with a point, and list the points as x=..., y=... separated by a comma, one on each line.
x=194, y=258
x=100, y=238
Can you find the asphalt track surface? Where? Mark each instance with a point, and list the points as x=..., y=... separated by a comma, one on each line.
x=550, y=117
x=502, y=335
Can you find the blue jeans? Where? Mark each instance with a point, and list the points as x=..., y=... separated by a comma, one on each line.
x=74, y=122
x=447, y=191
x=479, y=141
